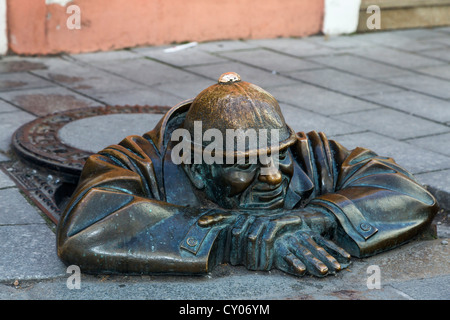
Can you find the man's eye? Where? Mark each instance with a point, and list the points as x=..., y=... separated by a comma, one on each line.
x=282, y=155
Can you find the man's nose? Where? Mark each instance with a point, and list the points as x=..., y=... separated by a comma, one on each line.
x=270, y=174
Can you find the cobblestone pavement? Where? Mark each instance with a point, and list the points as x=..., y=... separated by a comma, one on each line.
x=387, y=91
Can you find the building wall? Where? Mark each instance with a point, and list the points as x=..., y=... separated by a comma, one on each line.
x=3, y=32
x=40, y=26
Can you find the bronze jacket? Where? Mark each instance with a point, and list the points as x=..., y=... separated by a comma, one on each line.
x=134, y=211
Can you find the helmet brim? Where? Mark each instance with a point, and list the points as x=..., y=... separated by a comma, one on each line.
x=240, y=154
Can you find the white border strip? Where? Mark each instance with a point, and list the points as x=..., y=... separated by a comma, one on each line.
x=341, y=16
x=3, y=28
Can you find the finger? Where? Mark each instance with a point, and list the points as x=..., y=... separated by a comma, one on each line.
x=212, y=219
x=340, y=254
x=296, y=264
x=268, y=238
x=320, y=253
x=238, y=232
x=288, y=262
x=267, y=241
x=313, y=265
x=253, y=244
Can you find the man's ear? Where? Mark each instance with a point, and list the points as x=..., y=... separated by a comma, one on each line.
x=194, y=172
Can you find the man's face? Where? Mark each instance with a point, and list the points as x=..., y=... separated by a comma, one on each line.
x=250, y=186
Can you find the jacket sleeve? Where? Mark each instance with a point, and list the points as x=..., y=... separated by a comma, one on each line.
x=378, y=205
x=118, y=222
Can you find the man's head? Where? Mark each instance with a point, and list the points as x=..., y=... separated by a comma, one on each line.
x=251, y=142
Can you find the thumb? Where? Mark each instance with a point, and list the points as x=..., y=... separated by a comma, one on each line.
x=209, y=220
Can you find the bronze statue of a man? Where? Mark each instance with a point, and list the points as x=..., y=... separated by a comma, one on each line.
x=303, y=204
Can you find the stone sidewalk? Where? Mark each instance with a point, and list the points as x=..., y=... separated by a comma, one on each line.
x=387, y=91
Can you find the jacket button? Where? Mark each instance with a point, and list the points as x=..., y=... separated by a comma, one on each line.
x=365, y=226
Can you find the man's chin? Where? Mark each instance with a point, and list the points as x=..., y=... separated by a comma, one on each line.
x=259, y=198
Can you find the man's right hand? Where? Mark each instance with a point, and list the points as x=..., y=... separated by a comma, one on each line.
x=304, y=252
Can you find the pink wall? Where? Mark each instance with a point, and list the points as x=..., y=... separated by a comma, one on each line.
x=37, y=28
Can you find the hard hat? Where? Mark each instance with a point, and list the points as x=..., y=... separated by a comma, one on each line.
x=239, y=105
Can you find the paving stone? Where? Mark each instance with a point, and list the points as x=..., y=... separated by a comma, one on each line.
x=438, y=71
x=7, y=107
x=17, y=63
x=339, y=43
x=87, y=79
x=417, y=33
x=54, y=63
x=145, y=71
x=5, y=181
x=378, y=37
x=413, y=158
x=413, y=34
x=16, y=209
x=48, y=100
x=439, y=143
x=342, y=82
x=415, y=260
x=105, y=55
x=9, y=123
x=295, y=47
x=434, y=289
x=222, y=46
x=96, y=133
x=360, y=66
x=396, y=58
x=21, y=81
x=413, y=45
x=442, y=29
x=319, y=100
x=444, y=40
x=149, y=96
x=439, y=179
x=271, y=61
x=183, y=58
x=425, y=84
x=441, y=54
x=395, y=124
x=405, y=40
x=12, y=65
x=28, y=252
x=186, y=89
x=303, y=120
x=259, y=77
x=439, y=184
x=414, y=103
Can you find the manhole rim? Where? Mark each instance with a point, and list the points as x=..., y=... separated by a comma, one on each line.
x=28, y=150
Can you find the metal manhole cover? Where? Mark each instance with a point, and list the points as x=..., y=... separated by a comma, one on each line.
x=48, y=167
x=39, y=143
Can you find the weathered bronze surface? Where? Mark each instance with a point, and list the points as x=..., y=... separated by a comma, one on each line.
x=317, y=204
